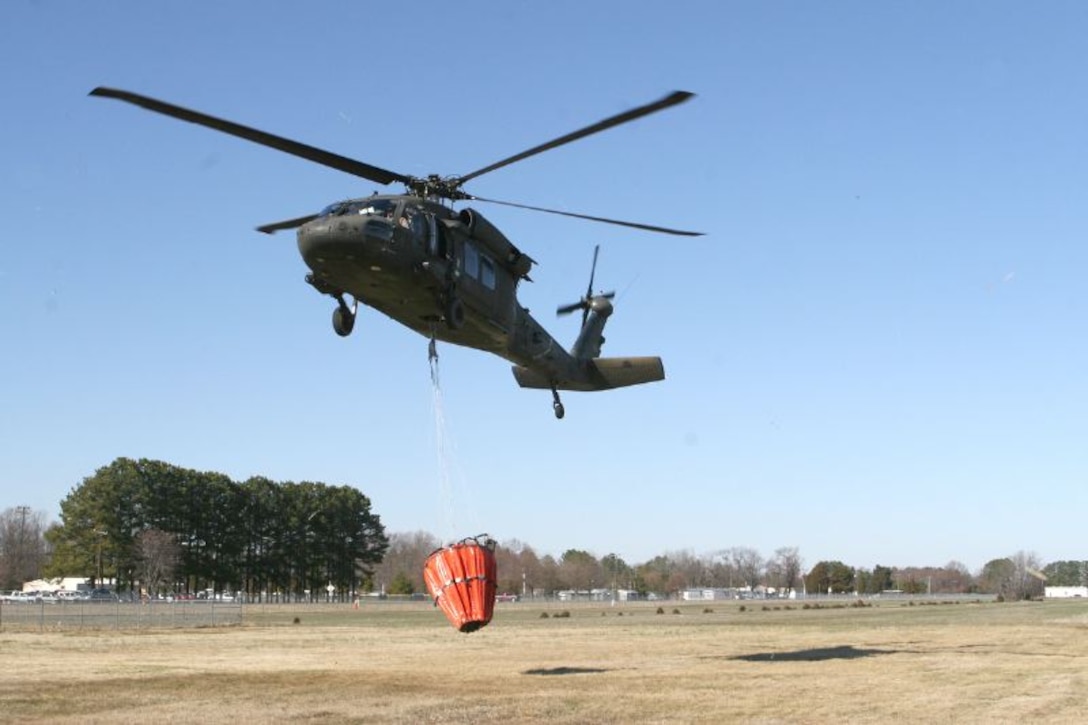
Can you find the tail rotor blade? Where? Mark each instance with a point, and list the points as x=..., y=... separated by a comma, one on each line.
x=567, y=309
x=593, y=271
x=586, y=302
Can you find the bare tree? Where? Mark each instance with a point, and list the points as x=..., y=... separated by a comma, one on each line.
x=548, y=576
x=720, y=572
x=404, y=559
x=22, y=546
x=748, y=564
x=1013, y=578
x=1027, y=580
x=955, y=577
x=686, y=570
x=519, y=568
x=158, y=554
x=580, y=570
x=784, y=569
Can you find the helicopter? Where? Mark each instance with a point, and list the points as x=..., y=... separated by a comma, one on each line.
x=449, y=275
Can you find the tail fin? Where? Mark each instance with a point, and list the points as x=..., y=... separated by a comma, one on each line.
x=602, y=373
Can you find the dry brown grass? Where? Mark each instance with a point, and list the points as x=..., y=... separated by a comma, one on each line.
x=401, y=663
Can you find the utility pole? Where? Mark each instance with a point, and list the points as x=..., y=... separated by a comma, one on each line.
x=19, y=560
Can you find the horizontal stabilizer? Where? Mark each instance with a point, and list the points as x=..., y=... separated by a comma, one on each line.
x=601, y=373
x=619, y=372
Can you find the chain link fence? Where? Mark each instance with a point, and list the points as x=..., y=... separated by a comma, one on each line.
x=75, y=616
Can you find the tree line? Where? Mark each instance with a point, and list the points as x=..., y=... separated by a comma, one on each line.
x=165, y=528
x=522, y=571
x=170, y=529
x=1016, y=577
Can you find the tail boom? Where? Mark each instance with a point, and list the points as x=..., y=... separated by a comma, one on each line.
x=603, y=373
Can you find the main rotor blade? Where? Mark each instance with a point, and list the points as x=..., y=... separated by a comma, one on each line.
x=287, y=224
x=633, y=225
x=310, y=153
x=674, y=98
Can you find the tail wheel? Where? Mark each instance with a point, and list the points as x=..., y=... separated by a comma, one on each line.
x=557, y=405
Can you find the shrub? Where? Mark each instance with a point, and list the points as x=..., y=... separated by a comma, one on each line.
x=660, y=610
x=543, y=615
x=676, y=611
x=743, y=608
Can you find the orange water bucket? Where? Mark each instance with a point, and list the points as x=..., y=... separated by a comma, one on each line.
x=462, y=578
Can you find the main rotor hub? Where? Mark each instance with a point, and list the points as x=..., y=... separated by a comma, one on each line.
x=434, y=186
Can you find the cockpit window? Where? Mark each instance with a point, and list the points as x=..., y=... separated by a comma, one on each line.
x=368, y=207
x=333, y=209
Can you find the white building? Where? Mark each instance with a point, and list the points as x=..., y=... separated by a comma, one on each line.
x=58, y=584
x=708, y=594
x=1065, y=592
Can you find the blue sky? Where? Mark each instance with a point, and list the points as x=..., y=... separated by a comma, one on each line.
x=877, y=353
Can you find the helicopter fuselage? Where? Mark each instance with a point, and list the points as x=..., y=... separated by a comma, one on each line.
x=450, y=276
x=447, y=275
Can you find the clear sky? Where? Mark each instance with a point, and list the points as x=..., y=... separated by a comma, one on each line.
x=877, y=353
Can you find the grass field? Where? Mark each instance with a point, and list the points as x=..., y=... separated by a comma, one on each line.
x=967, y=662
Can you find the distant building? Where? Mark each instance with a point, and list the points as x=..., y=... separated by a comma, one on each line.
x=58, y=584
x=1065, y=592
x=584, y=595
x=707, y=594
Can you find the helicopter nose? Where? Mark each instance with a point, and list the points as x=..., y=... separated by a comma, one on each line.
x=336, y=239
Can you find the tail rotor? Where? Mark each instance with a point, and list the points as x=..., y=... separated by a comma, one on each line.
x=586, y=302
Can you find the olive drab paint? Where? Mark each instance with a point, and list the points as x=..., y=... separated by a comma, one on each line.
x=449, y=275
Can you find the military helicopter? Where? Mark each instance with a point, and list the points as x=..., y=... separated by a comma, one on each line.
x=449, y=275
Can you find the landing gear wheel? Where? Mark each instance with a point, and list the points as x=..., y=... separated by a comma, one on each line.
x=343, y=320
x=557, y=406
x=455, y=313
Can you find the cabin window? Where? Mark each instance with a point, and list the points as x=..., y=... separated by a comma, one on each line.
x=487, y=272
x=472, y=261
